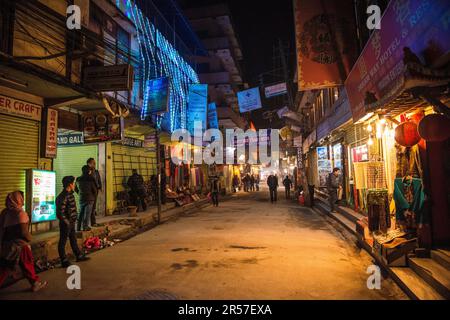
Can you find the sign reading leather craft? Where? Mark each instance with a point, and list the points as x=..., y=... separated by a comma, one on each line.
x=20, y=108
x=414, y=30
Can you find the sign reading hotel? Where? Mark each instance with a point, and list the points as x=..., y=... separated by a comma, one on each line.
x=20, y=108
x=417, y=29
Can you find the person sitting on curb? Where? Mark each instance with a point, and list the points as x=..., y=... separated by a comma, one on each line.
x=66, y=211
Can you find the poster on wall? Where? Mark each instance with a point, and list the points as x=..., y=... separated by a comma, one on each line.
x=337, y=156
x=249, y=100
x=324, y=169
x=197, y=105
x=360, y=153
x=42, y=195
x=213, y=122
x=102, y=127
x=322, y=153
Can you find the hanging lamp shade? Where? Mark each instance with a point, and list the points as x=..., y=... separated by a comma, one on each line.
x=434, y=127
x=406, y=134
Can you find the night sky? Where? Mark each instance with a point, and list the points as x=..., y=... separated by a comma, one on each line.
x=259, y=25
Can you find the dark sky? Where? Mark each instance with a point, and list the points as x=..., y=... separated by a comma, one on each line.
x=259, y=24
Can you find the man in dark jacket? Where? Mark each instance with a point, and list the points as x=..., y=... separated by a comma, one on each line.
x=287, y=187
x=66, y=211
x=98, y=183
x=86, y=187
x=137, y=192
x=272, y=182
x=333, y=184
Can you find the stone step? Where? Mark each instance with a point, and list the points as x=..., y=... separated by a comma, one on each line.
x=350, y=225
x=416, y=287
x=441, y=257
x=433, y=273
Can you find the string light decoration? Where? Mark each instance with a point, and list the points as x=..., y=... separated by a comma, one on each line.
x=159, y=58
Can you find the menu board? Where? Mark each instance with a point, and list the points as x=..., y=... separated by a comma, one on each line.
x=43, y=195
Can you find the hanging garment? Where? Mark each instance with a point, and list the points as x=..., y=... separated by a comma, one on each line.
x=378, y=210
x=409, y=199
x=360, y=175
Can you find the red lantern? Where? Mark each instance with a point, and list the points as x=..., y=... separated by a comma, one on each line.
x=435, y=127
x=406, y=134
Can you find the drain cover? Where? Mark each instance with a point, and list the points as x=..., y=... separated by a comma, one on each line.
x=156, y=295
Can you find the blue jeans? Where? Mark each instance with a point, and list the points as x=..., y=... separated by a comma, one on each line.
x=84, y=218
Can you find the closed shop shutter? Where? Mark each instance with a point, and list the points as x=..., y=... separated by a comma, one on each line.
x=356, y=133
x=19, y=150
x=70, y=160
x=127, y=158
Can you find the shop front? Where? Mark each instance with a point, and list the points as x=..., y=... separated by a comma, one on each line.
x=399, y=175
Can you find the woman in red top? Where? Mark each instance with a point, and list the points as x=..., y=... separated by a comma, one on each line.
x=14, y=242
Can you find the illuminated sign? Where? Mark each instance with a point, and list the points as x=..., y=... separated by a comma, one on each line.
x=197, y=105
x=249, y=100
x=42, y=194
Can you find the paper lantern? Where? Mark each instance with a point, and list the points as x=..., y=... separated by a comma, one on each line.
x=434, y=127
x=406, y=134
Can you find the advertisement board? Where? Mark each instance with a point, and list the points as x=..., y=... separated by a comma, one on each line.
x=157, y=94
x=42, y=195
x=70, y=139
x=51, y=134
x=411, y=28
x=197, y=105
x=249, y=100
x=360, y=153
x=102, y=127
x=275, y=90
x=213, y=122
x=20, y=108
x=109, y=78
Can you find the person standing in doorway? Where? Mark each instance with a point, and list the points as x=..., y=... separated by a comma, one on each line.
x=272, y=182
x=66, y=211
x=98, y=183
x=87, y=189
x=333, y=184
x=287, y=182
x=137, y=192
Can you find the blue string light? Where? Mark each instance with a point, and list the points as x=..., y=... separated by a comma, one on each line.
x=160, y=58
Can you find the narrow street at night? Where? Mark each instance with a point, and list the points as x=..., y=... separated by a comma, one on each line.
x=247, y=248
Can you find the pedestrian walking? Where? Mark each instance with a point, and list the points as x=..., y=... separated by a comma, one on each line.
x=257, y=180
x=87, y=190
x=272, y=182
x=287, y=187
x=15, y=241
x=66, y=211
x=138, y=193
x=252, y=183
x=235, y=183
x=98, y=183
x=333, y=184
x=214, y=188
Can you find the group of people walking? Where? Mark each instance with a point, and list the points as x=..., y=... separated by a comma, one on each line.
x=251, y=182
x=272, y=183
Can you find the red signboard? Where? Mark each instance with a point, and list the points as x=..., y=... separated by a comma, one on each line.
x=420, y=25
x=51, y=141
x=325, y=41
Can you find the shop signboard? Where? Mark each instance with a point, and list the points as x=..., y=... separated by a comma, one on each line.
x=310, y=139
x=70, y=139
x=102, y=127
x=213, y=121
x=418, y=25
x=20, y=108
x=157, y=93
x=275, y=90
x=109, y=78
x=321, y=27
x=360, y=153
x=41, y=194
x=51, y=134
x=131, y=142
x=322, y=153
x=197, y=105
x=249, y=100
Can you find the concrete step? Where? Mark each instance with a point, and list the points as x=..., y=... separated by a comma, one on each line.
x=414, y=285
x=350, y=225
x=442, y=257
x=347, y=212
x=433, y=273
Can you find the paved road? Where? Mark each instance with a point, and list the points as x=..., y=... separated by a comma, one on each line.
x=245, y=249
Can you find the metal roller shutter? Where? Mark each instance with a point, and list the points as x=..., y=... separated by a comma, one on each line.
x=19, y=150
x=70, y=160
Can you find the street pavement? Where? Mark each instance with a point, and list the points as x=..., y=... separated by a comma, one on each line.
x=247, y=248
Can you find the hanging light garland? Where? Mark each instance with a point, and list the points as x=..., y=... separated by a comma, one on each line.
x=160, y=58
